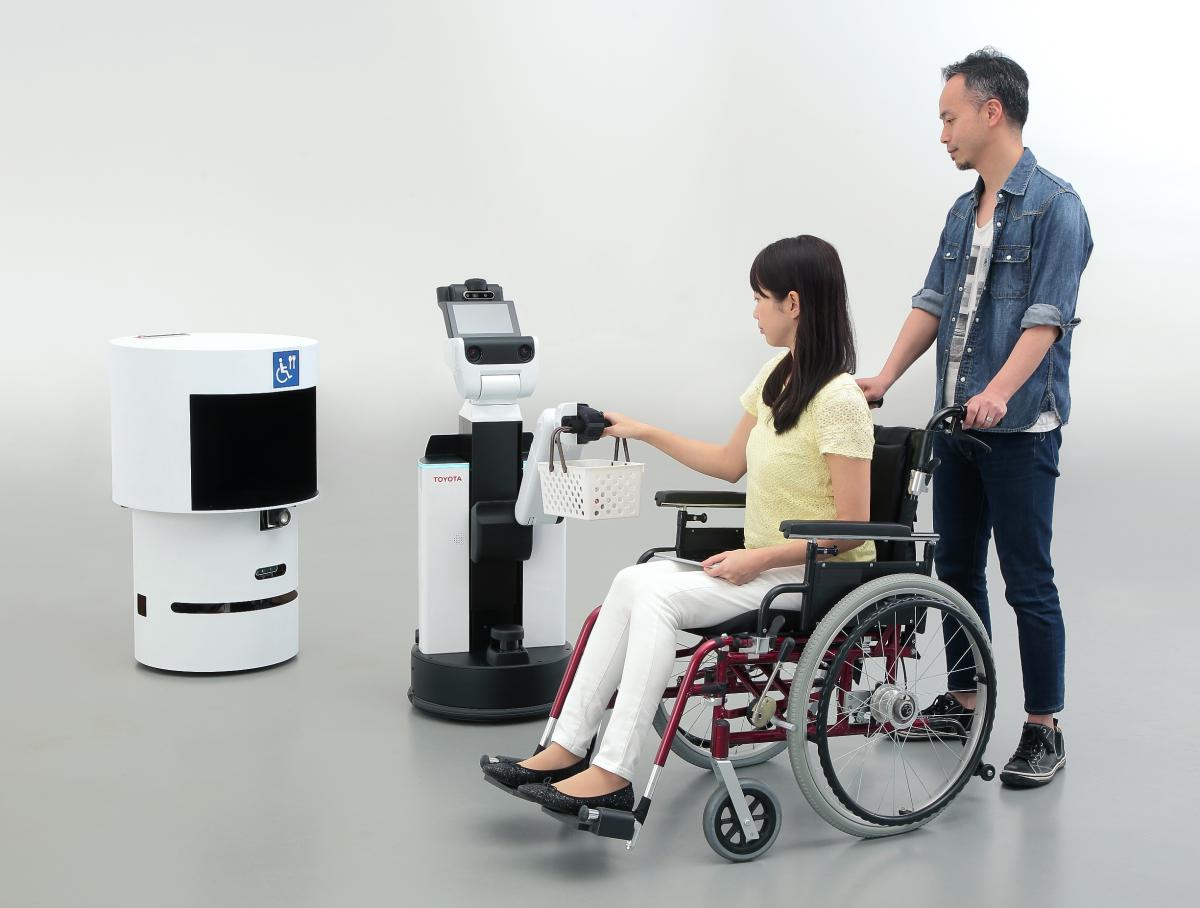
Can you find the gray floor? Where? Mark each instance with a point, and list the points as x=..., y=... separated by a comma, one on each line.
x=315, y=783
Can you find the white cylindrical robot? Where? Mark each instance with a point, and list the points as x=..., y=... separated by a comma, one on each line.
x=214, y=443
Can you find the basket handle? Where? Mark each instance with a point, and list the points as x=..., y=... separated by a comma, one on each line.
x=556, y=443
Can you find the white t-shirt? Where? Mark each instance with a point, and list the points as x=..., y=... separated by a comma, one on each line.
x=974, y=284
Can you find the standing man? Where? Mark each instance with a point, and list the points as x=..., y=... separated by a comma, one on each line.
x=1000, y=301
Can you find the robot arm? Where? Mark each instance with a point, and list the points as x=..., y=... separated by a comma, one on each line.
x=580, y=424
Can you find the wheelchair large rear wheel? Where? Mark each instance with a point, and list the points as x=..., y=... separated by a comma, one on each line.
x=865, y=759
x=692, y=741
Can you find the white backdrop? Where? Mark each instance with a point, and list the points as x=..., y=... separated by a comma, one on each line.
x=319, y=168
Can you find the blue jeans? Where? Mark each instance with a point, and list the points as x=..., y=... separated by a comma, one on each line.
x=1009, y=492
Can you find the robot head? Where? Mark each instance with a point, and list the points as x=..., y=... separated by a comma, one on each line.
x=492, y=362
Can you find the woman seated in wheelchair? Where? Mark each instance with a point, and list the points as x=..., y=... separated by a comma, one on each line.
x=804, y=444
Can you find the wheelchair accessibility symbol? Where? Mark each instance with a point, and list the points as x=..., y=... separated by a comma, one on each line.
x=287, y=369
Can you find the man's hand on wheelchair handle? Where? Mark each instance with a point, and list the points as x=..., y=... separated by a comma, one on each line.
x=873, y=389
x=986, y=409
x=737, y=566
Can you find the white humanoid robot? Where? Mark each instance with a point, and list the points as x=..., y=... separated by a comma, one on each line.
x=491, y=637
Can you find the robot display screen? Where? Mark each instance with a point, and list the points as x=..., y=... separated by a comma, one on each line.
x=483, y=318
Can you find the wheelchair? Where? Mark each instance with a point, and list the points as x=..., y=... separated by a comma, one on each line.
x=839, y=683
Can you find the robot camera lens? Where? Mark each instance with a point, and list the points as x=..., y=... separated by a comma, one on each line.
x=525, y=352
x=273, y=518
x=474, y=354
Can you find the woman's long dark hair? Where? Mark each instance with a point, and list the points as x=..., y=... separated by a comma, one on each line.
x=824, y=338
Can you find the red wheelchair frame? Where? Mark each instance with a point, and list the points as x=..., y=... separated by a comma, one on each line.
x=765, y=648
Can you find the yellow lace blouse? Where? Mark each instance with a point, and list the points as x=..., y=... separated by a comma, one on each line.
x=787, y=477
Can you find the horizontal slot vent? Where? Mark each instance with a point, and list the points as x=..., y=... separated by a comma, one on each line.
x=227, y=608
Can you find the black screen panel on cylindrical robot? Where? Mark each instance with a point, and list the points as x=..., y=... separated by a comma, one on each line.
x=253, y=450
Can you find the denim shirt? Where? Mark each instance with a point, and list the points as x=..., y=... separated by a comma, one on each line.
x=1041, y=244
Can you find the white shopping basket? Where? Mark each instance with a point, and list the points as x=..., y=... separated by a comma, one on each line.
x=590, y=489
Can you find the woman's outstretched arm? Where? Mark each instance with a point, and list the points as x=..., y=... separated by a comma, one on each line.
x=721, y=461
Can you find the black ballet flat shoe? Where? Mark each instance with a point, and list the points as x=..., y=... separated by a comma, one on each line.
x=551, y=798
x=505, y=773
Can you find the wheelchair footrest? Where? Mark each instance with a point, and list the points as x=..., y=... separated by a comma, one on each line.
x=602, y=821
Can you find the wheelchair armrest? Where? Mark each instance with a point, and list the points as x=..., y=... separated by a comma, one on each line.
x=846, y=529
x=673, y=498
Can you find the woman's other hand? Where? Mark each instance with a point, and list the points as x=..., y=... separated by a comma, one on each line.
x=624, y=427
x=737, y=566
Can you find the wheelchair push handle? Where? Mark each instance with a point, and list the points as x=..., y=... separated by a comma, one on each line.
x=954, y=416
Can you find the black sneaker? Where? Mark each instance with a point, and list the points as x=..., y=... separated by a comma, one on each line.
x=1040, y=754
x=945, y=719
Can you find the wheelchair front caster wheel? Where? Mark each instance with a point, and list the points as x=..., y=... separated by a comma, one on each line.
x=724, y=831
x=986, y=771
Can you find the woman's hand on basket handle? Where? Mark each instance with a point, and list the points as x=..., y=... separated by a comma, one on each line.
x=624, y=427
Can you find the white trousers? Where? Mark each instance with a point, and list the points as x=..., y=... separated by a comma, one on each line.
x=632, y=648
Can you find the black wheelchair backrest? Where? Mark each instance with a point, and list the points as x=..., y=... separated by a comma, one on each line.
x=891, y=463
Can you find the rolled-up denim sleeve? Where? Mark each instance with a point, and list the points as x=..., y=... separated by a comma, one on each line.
x=929, y=301
x=1062, y=246
x=930, y=298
